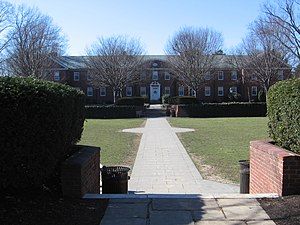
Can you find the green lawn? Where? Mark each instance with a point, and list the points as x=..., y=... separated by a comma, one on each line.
x=117, y=148
x=221, y=142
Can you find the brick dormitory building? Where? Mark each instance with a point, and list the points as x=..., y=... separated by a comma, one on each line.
x=156, y=80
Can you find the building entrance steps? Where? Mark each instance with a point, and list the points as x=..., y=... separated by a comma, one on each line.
x=163, y=166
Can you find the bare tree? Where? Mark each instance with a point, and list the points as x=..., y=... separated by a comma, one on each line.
x=283, y=18
x=115, y=62
x=263, y=56
x=6, y=20
x=34, y=42
x=191, y=54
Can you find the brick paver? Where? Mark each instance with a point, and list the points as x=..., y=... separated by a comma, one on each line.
x=163, y=166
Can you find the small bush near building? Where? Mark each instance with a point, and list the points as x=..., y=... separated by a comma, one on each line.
x=232, y=109
x=283, y=102
x=39, y=122
x=110, y=112
x=136, y=101
x=178, y=100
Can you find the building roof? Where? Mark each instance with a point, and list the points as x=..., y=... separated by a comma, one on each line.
x=222, y=61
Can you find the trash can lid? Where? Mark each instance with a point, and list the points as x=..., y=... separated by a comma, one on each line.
x=115, y=169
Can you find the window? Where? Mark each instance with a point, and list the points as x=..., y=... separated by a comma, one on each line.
x=181, y=91
x=207, y=76
x=234, y=75
x=167, y=90
x=128, y=91
x=220, y=91
x=233, y=90
x=253, y=77
x=155, y=75
x=194, y=93
x=280, y=75
x=89, y=91
x=207, y=91
x=167, y=76
x=56, y=76
x=76, y=76
x=254, y=91
x=102, y=91
x=143, y=76
x=220, y=75
x=143, y=91
x=88, y=77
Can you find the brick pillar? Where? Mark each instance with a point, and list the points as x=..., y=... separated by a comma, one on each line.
x=81, y=172
x=273, y=169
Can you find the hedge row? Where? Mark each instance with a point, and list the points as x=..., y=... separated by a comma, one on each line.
x=177, y=100
x=136, y=101
x=283, y=101
x=234, y=109
x=109, y=112
x=39, y=122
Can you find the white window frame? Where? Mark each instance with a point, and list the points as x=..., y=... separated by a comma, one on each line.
x=129, y=91
x=181, y=91
x=76, y=76
x=280, y=75
x=207, y=91
x=167, y=90
x=56, y=76
x=234, y=75
x=102, y=91
x=154, y=75
x=143, y=91
x=253, y=90
x=220, y=91
x=233, y=90
x=89, y=91
x=207, y=76
x=221, y=75
x=167, y=76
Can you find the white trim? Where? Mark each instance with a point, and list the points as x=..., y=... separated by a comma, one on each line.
x=154, y=75
x=56, y=76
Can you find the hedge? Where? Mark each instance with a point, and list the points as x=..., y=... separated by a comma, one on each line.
x=39, y=122
x=283, y=100
x=110, y=112
x=136, y=101
x=177, y=100
x=232, y=109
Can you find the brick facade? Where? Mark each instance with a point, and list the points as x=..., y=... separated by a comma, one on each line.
x=81, y=173
x=273, y=169
x=157, y=72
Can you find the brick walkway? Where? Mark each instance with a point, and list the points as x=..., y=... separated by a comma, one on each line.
x=163, y=166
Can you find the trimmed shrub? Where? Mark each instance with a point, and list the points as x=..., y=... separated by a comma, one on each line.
x=283, y=102
x=178, y=100
x=110, y=112
x=39, y=122
x=232, y=109
x=136, y=101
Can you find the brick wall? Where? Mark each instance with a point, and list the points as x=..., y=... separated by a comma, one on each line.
x=81, y=172
x=273, y=169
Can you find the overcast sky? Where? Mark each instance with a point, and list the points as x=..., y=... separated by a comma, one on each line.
x=152, y=21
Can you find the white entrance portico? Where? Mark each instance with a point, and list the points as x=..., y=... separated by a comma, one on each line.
x=154, y=91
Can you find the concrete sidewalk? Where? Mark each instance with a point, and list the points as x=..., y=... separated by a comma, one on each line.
x=185, y=211
x=163, y=166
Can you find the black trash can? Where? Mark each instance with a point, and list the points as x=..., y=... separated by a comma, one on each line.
x=115, y=179
x=244, y=176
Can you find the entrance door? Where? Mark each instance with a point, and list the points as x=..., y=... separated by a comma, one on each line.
x=154, y=92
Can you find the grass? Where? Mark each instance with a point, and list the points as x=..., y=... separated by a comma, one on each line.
x=117, y=148
x=218, y=144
